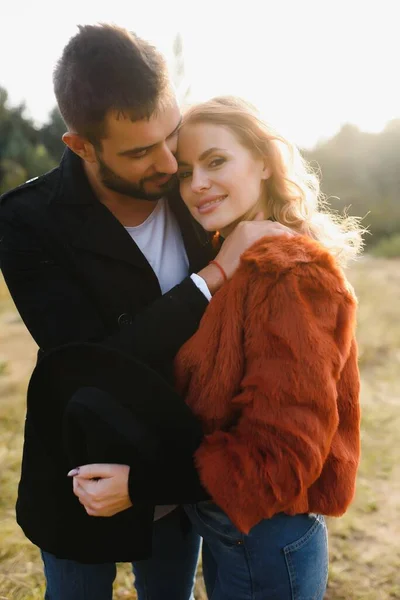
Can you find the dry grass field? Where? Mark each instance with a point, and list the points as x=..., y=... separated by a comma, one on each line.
x=364, y=544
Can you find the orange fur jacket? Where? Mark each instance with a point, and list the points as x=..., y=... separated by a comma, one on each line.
x=272, y=374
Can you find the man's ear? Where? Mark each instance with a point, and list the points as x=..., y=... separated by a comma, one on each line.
x=80, y=145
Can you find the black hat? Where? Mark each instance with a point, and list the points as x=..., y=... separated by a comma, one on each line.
x=102, y=405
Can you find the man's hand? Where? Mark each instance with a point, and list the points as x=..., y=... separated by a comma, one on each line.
x=102, y=489
x=245, y=234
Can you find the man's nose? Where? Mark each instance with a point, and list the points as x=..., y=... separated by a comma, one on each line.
x=166, y=161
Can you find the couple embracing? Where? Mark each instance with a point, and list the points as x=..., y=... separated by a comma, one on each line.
x=197, y=371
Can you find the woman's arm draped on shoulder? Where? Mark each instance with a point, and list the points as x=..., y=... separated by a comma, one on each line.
x=298, y=336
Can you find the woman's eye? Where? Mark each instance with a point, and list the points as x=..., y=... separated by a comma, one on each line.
x=183, y=175
x=216, y=162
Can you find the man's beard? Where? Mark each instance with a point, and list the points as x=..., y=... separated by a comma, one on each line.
x=134, y=190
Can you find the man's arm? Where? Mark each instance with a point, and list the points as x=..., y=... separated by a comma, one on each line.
x=57, y=306
x=107, y=489
x=57, y=309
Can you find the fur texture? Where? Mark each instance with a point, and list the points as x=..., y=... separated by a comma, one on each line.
x=272, y=374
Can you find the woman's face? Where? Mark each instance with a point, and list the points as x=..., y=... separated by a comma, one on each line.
x=220, y=179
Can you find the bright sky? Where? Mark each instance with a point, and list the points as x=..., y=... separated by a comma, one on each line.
x=309, y=65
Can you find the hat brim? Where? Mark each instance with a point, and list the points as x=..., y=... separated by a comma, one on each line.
x=97, y=404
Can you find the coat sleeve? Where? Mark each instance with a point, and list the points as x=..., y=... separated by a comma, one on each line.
x=57, y=309
x=298, y=335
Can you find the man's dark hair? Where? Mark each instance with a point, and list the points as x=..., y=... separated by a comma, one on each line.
x=103, y=68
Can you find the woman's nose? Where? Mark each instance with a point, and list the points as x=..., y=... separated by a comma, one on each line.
x=200, y=181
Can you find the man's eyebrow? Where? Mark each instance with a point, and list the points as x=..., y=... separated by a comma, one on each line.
x=139, y=149
x=203, y=155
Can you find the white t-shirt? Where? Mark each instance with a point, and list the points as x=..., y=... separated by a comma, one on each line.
x=160, y=240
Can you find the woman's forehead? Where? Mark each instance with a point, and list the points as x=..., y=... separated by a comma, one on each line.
x=194, y=138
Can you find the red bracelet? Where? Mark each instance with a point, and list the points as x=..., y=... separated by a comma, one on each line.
x=214, y=262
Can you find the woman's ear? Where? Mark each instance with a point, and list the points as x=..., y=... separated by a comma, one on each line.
x=266, y=172
x=80, y=145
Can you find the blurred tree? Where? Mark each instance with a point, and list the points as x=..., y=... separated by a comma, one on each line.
x=362, y=171
x=178, y=74
x=51, y=133
x=11, y=175
x=22, y=155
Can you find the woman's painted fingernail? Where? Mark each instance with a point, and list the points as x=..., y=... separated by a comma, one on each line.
x=73, y=472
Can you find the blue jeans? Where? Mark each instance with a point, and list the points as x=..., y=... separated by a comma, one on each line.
x=168, y=575
x=282, y=558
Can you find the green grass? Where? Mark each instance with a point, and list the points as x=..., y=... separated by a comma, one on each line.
x=365, y=553
x=364, y=544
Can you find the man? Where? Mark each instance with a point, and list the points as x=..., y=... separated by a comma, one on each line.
x=100, y=249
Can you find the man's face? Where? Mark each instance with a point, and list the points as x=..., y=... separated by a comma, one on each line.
x=137, y=159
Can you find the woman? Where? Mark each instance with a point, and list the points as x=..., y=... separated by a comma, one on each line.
x=272, y=370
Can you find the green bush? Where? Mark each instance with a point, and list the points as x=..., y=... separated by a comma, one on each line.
x=3, y=367
x=388, y=247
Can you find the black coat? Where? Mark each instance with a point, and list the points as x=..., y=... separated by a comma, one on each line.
x=76, y=275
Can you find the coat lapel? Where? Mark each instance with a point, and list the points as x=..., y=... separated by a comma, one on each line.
x=91, y=225
x=102, y=233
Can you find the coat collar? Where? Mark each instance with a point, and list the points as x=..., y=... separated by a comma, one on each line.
x=74, y=187
x=197, y=241
x=93, y=219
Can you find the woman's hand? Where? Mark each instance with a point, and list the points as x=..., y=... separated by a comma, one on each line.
x=102, y=489
x=245, y=234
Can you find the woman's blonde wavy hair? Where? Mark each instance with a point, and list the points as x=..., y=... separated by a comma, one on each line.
x=292, y=192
